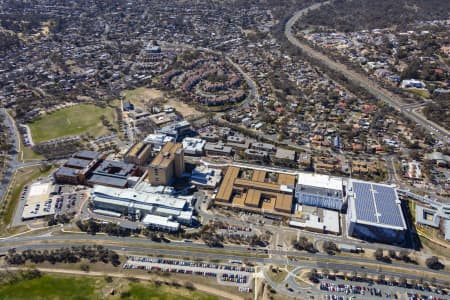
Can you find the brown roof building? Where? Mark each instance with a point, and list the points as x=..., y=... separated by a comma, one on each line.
x=257, y=191
x=169, y=163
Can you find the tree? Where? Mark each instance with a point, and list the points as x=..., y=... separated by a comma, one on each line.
x=402, y=281
x=378, y=254
x=434, y=263
x=404, y=255
x=84, y=267
x=391, y=280
x=313, y=276
x=330, y=247
x=190, y=286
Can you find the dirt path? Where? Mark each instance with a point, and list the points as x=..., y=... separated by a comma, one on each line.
x=200, y=287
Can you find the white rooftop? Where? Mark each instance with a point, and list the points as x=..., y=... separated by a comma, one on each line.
x=320, y=181
x=160, y=221
x=158, y=139
x=38, y=201
x=156, y=199
x=193, y=144
x=37, y=189
x=329, y=222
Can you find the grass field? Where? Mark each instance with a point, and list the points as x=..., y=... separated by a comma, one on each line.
x=420, y=92
x=151, y=291
x=278, y=276
x=50, y=287
x=74, y=120
x=30, y=155
x=142, y=95
x=55, y=287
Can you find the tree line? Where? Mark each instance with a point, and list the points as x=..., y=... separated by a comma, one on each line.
x=93, y=254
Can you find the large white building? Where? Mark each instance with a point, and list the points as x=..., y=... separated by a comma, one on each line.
x=374, y=213
x=158, y=140
x=161, y=223
x=328, y=222
x=193, y=146
x=139, y=203
x=320, y=191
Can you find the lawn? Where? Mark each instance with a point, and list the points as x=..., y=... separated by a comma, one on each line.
x=74, y=120
x=139, y=291
x=78, y=288
x=276, y=274
x=420, y=92
x=50, y=287
x=142, y=95
x=27, y=154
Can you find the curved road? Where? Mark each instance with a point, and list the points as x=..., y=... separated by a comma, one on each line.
x=374, y=89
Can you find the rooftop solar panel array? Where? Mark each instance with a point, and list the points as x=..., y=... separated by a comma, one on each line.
x=365, y=207
x=389, y=212
x=377, y=204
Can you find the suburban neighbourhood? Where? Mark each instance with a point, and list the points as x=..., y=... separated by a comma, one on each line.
x=248, y=151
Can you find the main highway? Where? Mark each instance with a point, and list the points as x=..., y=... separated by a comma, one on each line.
x=200, y=250
x=374, y=89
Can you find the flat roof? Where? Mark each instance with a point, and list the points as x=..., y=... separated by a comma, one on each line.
x=64, y=171
x=158, y=138
x=284, y=202
x=259, y=175
x=77, y=163
x=286, y=179
x=320, y=181
x=86, y=154
x=253, y=197
x=219, y=147
x=132, y=195
x=226, y=187
x=166, y=155
x=193, y=144
x=135, y=149
x=285, y=154
x=422, y=213
x=114, y=168
x=160, y=221
x=107, y=180
x=377, y=205
x=256, y=192
x=261, y=185
x=328, y=222
x=38, y=202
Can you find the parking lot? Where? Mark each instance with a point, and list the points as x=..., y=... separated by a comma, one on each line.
x=233, y=275
x=41, y=199
x=344, y=290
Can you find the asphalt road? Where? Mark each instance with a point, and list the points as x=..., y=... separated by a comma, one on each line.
x=374, y=89
x=187, y=249
x=13, y=162
x=209, y=256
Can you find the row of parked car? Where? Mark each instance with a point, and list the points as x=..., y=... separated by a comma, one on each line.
x=349, y=289
x=417, y=296
x=168, y=269
x=191, y=264
x=187, y=263
x=237, y=278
